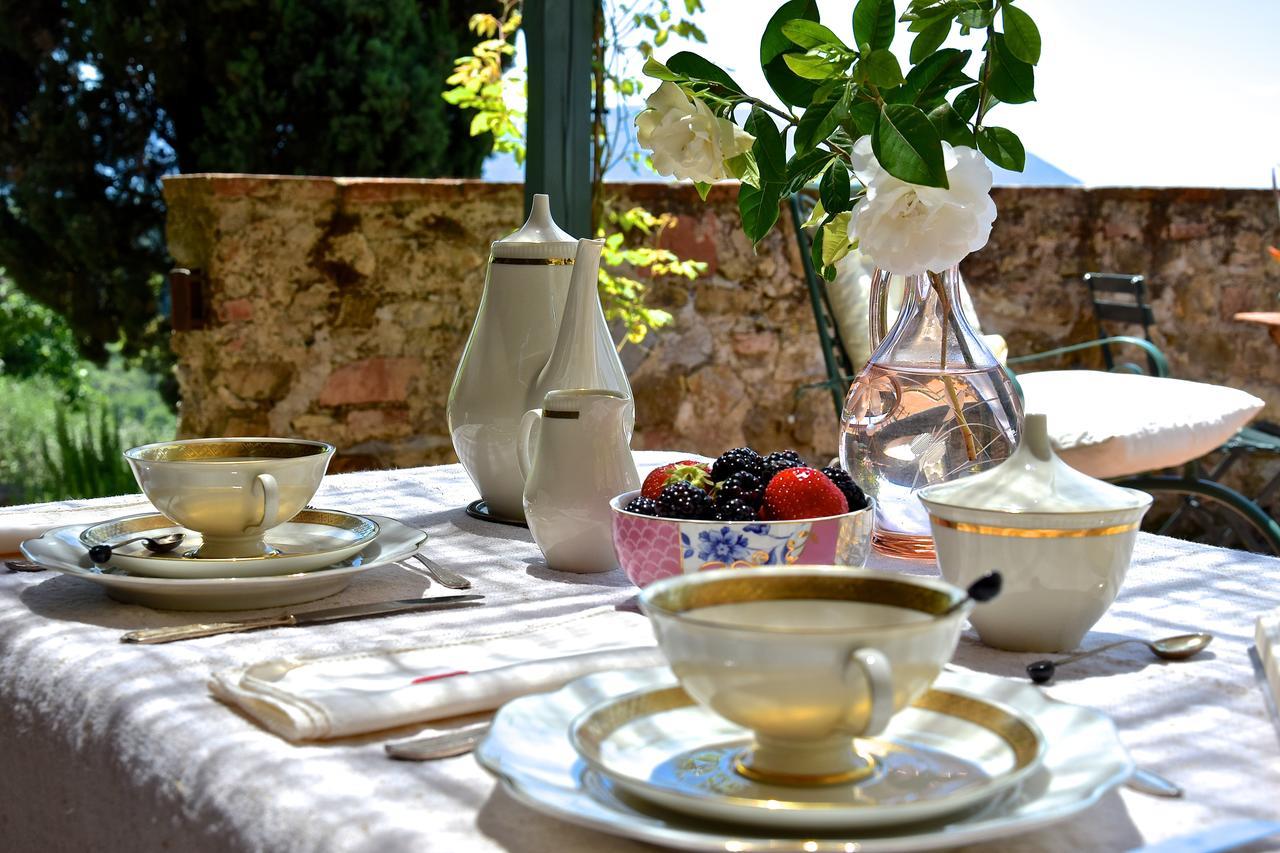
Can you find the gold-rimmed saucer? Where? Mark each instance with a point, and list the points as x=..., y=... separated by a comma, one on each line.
x=313, y=539
x=945, y=753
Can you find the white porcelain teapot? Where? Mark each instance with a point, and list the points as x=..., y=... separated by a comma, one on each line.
x=575, y=456
x=539, y=327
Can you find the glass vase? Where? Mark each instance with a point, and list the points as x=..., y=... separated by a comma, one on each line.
x=932, y=404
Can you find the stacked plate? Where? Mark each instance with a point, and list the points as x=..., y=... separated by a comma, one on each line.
x=314, y=555
x=976, y=758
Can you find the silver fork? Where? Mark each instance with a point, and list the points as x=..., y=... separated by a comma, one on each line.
x=436, y=572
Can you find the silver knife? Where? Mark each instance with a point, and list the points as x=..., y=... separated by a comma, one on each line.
x=306, y=617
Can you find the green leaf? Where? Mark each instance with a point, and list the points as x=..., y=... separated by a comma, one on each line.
x=882, y=68
x=812, y=67
x=1002, y=147
x=803, y=168
x=769, y=149
x=908, y=146
x=693, y=66
x=950, y=126
x=1021, y=35
x=774, y=45
x=930, y=39
x=655, y=69
x=873, y=23
x=810, y=34
x=758, y=207
x=938, y=74
x=816, y=216
x=820, y=119
x=835, y=238
x=978, y=19
x=703, y=188
x=863, y=116
x=967, y=103
x=744, y=168
x=1011, y=80
x=834, y=189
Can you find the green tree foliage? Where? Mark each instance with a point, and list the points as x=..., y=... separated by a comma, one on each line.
x=100, y=99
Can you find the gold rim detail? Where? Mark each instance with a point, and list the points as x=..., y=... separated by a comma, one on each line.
x=1033, y=533
x=230, y=448
x=361, y=529
x=771, y=777
x=534, y=262
x=595, y=726
x=685, y=600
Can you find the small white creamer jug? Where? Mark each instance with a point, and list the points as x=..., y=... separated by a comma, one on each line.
x=575, y=456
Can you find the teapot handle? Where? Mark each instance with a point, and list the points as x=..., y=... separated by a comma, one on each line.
x=524, y=439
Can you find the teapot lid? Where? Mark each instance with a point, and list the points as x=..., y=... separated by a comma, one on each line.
x=1033, y=479
x=539, y=237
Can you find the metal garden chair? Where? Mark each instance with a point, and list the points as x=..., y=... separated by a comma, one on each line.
x=1192, y=504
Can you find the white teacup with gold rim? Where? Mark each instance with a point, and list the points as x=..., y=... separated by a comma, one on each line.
x=230, y=490
x=808, y=658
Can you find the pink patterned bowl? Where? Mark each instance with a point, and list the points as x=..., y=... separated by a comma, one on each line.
x=650, y=549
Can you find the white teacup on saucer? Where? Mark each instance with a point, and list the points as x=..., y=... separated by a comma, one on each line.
x=230, y=490
x=807, y=658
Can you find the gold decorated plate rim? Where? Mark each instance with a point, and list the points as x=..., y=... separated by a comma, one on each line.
x=994, y=785
x=365, y=529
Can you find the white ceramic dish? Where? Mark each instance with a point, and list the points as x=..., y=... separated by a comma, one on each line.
x=315, y=538
x=1061, y=540
x=528, y=749
x=945, y=753
x=60, y=549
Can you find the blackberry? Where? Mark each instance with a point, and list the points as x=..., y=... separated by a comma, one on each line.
x=781, y=460
x=736, y=510
x=733, y=461
x=854, y=495
x=642, y=506
x=741, y=486
x=682, y=500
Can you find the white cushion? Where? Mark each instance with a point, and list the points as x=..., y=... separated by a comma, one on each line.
x=850, y=297
x=1119, y=424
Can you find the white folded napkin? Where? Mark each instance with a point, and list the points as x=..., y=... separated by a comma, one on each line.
x=347, y=695
x=1267, y=640
x=22, y=523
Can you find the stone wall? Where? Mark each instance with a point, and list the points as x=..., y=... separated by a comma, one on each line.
x=338, y=308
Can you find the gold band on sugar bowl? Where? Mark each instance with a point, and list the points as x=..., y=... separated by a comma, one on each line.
x=1034, y=533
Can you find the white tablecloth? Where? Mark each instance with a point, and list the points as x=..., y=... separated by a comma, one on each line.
x=105, y=746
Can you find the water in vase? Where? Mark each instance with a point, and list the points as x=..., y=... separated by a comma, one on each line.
x=932, y=405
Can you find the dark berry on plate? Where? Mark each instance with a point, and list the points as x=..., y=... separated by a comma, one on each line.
x=742, y=486
x=733, y=461
x=735, y=510
x=642, y=506
x=781, y=460
x=852, y=493
x=684, y=500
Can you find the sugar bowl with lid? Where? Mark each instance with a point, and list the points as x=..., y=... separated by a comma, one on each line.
x=1061, y=540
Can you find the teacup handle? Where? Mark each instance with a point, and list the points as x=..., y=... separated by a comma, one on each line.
x=875, y=667
x=525, y=439
x=270, y=502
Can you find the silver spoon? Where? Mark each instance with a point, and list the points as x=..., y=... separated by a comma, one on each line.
x=1180, y=647
x=983, y=589
x=160, y=544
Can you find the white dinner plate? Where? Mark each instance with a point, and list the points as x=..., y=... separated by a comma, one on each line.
x=61, y=550
x=529, y=750
x=946, y=752
x=312, y=539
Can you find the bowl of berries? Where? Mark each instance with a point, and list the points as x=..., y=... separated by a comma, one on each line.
x=741, y=510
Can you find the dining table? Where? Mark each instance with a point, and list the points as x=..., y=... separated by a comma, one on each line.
x=112, y=746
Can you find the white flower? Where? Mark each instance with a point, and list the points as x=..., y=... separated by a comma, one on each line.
x=686, y=138
x=907, y=228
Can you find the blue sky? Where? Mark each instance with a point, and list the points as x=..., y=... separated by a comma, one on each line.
x=1130, y=92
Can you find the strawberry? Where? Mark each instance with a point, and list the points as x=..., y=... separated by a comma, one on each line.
x=802, y=493
x=688, y=471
